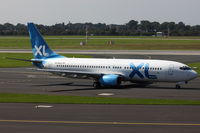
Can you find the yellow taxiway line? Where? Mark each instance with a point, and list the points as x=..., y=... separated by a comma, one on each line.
x=101, y=123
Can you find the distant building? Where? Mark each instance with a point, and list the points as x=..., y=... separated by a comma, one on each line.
x=82, y=43
x=159, y=34
x=110, y=42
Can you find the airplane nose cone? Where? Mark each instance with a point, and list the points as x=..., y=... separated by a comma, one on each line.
x=193, y=75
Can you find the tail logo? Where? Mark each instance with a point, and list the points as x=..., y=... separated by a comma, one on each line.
x=41, y=50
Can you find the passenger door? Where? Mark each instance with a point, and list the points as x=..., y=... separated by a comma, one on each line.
x=171, y=70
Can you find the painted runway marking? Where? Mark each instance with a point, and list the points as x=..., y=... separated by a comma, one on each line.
x=105, y=94
x=102, y=123
x=43, y=106
x=31, y=76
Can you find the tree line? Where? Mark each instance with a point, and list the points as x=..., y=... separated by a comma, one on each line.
x=132, y=28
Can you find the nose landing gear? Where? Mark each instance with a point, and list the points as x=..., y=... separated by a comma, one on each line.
x=178, y=85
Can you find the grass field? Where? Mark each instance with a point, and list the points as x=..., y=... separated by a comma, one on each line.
x=142, y=37
x=15, y=63
x=100, y=42
x=53, y=99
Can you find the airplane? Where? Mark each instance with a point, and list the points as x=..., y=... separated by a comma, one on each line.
x=107, y=72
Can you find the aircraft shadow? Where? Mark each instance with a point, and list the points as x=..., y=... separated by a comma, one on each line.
x=122, y=87
x=170, y=88
x=89, y=87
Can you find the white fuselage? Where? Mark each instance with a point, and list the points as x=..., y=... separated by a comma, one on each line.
x=106, y=72
x=132, y=69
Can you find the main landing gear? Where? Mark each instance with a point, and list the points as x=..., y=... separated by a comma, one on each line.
x=96, y=85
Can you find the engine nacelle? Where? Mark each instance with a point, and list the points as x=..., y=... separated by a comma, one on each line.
x=110, y=80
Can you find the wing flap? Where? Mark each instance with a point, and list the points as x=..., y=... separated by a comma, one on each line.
x=67, y=72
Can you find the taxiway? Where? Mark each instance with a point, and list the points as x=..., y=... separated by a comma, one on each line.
x=73, y=118
x=27, y=80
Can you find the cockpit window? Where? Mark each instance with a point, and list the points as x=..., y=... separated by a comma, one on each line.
x=185, y=68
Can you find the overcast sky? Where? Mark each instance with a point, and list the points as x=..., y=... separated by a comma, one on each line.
x=49, y=12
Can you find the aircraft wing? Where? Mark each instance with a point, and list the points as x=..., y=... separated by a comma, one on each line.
x=76, y=73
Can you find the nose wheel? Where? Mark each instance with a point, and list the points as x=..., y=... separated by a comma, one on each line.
x=178, y=86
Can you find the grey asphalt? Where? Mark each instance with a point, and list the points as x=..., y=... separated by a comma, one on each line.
x=23, y=118
x=26, y=80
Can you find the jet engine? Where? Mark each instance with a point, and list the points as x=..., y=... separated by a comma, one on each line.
x=110, y=80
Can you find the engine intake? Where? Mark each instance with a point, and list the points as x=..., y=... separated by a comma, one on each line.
x=110, y=80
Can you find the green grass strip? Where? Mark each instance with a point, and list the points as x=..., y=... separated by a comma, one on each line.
x=101, y=42
x=54, y=99
x=15, y=63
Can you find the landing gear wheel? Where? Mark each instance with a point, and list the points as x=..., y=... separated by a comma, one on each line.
x=96, y=85
x=178, y=86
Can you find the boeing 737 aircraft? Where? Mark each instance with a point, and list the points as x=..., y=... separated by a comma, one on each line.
x=107, y=72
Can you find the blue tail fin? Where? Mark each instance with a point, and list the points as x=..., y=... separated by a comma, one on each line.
x=40, y=48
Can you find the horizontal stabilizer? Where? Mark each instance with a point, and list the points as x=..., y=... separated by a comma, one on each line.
x=34, y=61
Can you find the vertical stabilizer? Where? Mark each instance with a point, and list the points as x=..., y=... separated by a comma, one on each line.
x=40, y=48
